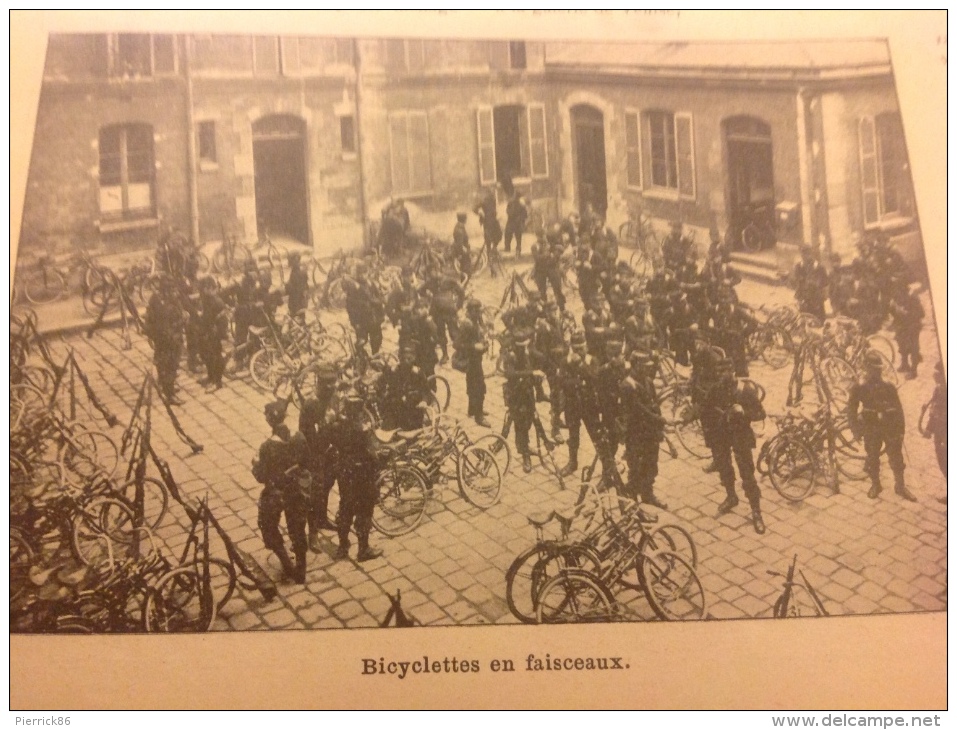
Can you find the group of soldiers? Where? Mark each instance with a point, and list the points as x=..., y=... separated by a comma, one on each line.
x=876, y=287
x=600, y=373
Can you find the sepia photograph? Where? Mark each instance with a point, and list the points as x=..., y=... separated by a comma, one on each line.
x=321, y=327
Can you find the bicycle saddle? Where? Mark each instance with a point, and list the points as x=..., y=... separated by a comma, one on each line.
x=258, y=331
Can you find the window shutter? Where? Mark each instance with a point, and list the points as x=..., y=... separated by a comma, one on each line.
x=486, y=145
x=419, y=152
x=399, y=144
x=870, y=185
x=633, y=149
x=536, y=140
x=416, y=51
x=164, y=54
x=266, y=54
x=498, y=54
x=684, y=143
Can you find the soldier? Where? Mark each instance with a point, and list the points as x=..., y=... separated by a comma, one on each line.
x=163, y=327
x=460, y=252
x=874, y=412
x=908, y=314
x=810, y=283
x=589, y=283
x=316, y=419
x=278, y=468
x=595, y=322
x=487, y=214
x=423, y=337
x=643, y=429
x=519, y=392
x=733, y=325
x=548, y=352
x=641, y=335
x=609, y=376
x=734, y=408
x=447, y=299
x=357, y=467
x=516, y=216
x=472, y=346
x=401, y=393
x=675, y=247
x=365, y=308
x=244, y=317
x=297, y=287
x=704, y=366
x=936, y=412
x=212, y=330
x=578, y=378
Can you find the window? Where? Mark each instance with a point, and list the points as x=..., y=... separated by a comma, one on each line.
x=633, y=149
x=404, y=55
x=885, y=181
x=265, y=55
x=141, y=54
x=671, y=147
x=207, y=142
x=410, y=153
x=347, y=133
x=516, y=54
x=289, y=55
x=511, y=142
x=126, y=171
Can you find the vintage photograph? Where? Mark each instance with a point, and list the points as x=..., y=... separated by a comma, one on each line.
x=326, y=332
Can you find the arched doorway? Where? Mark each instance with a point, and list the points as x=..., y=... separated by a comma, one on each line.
x=588, y=154
x=750, y=175
x=279, y=166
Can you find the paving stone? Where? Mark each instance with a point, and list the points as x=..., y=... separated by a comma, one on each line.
x=347, y=610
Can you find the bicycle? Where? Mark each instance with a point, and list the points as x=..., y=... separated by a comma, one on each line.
x=532, y=568
x=798, y=598
x=416, y=465
x=754, y=229
x=547, y=458
x=638, y=232
x=231, y=257
x=43, y=282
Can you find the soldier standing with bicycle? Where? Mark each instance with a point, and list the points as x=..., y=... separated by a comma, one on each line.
x=519, y=392
x=810, y=283
x=163, y=327
x=315, y=423
x=278, y=468
x=470, y=347
x=734, y=409
x=644, y=429
x=874, y=412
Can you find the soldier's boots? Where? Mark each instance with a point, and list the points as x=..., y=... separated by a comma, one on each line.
x=314, y=543
x=557, y=430
x=527, y=463
x=758, y=522
x=652, y=500
x=572, y=466
x=482, y=421
x=710, y=468
x=366, y=552
x=299, y=574
x=875, y=490
x=730, y=502
x=342, y=553
x=901, y=490
x=288, y=568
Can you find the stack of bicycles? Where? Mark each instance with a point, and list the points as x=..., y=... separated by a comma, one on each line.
x=606, y=556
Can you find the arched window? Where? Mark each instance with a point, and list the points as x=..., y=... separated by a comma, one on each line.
x=126, y=171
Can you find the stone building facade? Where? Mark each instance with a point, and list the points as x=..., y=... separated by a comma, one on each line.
x=309, y=137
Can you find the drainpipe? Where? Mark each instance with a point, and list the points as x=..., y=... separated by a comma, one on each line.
x=191, y=145
x=805, y=162
x=362, y=179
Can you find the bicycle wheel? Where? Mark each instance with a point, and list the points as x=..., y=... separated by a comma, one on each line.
x=688, y=428
x=642, y=265
x=98, y=531
x=628, y=233
x=222, y=579
x=850, y=453
x=266, y=368
x=673, y=587
x=574, y=597
x=155, y=500
x=672, y=538
x=497, y=447
x=179, y=603
x=793, y=469
x=839, y=377
x=883, y=345
x=888, y=371
x=773, y=345
x=443, y=391
x=91, y=453
x=534, y=567
x=44, y=286
x=403, y=497
x=751, y=238
x=479, y=477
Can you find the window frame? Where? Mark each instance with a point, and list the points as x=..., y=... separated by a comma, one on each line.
x=527, y=144
x=408, y=115
x=113, y=52
x=672, y=154
x=205, y=162
x=278, y=56
x=884, y=216
x=511, y=58
x=352, y=151
x=127, y=213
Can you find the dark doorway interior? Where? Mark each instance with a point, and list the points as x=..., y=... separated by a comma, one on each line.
x=279, y=159
x=509, y=125
x=588, y=130
x=750, y=173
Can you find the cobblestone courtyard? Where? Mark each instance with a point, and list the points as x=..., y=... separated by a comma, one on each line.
x=864, y=556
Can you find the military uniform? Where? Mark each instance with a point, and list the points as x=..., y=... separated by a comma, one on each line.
x=357, y=469
x=460, y=251
x=732, y=408
x=316, y=419
x=516, y=216
x=400, y=391
x=277, y=467
x=810, y=286
x=908, y=314
x=579, y=383
x=212, y=329
x=874, y=411
x=164, y=324
x=519, y=393
x=365, y=309
x=297, y=288
x=447, y=299
x=643, y=432
x=472, y=346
